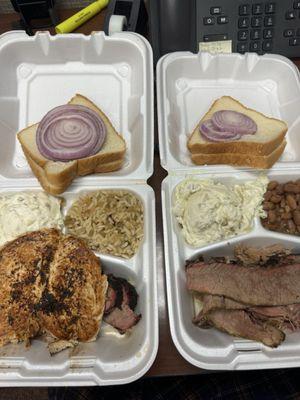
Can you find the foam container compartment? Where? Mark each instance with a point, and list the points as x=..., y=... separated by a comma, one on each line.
x=210, y=348
x=187, y=84
x=43, y=71
x=112, y=358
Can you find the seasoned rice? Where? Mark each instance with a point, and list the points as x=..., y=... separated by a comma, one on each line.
x=110, y=221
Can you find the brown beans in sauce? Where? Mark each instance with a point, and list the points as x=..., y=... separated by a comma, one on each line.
x=282, y=205
x=290, y=199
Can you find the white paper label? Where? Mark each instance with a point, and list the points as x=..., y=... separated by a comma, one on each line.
x=222, y=46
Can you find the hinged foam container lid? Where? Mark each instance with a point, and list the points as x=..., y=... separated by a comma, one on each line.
x=41, y=72
x=187, y=84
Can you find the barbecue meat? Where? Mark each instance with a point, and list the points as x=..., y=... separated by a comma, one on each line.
x=120, y=304
x=256, y=295
x=50, y=282
x=114, y=295
x=211, y=302
x=283, y=317
x=270, y=286
x=286, y=318
x=243, y=324
x=122, y=318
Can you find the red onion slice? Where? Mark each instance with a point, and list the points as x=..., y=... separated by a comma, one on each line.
x=70, y=132
x=209, y=132
x=233, y=121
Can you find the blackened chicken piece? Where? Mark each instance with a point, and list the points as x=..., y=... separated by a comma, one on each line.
x=50, y=283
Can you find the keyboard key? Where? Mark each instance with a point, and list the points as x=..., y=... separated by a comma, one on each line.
x=242, y=47
x=256, y=22
x=223, y=20
x=290, y=15
x=268, y=33
x=269, y=21
x=244, y=22
x=208, y=20
x=215, y=37
x=296, y=5
x=243, y=35
x=244, y=9
x=294, y=42
x=270, y=8
x=267, y=45
x=257, y=9
x=298, y=32
x=255, y=34
x=255, y=46
x=289, y=32
x=215, y=10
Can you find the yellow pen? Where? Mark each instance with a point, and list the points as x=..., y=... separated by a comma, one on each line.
x=81, y=17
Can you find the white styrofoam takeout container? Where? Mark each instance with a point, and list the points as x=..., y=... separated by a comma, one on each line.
x=39, y=73
x=187, y=84
x=210, y=348
x=43, y=71
x=112, y=358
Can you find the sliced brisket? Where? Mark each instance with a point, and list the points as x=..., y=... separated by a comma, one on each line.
x=286, y=318
x=258, y=286
x=242, y=324
x=211, y=302
x=122, y=318
x=130, y=296
x=266, y=256
x=120, y=304
x=114, y=295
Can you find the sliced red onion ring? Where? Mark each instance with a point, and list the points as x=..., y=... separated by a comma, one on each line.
x=209, y=132
x=70, y=132
x=233, y=121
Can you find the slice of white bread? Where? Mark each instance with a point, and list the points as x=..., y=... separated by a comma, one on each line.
x=242, y=160
x=61, y=185
x=57, y=173
x=270, y=132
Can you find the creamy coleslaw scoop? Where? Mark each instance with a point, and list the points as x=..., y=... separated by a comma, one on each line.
x=209, y=211
x=28, y=211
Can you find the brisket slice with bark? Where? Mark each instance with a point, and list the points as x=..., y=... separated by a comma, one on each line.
x=114, y=295
x=211, y=302
x=254, y=296
x=120, y=304
x=243, y=324
x=286, y=318
x=122, y=318
x=283, y=317
x=257, y=286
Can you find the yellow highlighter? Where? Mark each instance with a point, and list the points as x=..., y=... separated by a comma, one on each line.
x=81, y=17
